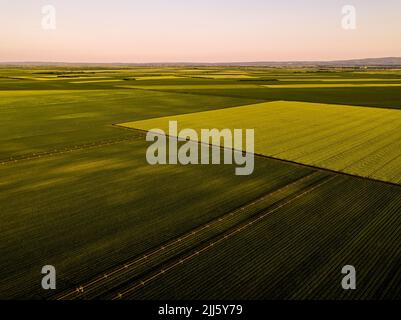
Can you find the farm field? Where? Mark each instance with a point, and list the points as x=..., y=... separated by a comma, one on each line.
x=76, y=190
x=39, y=120
x=86, y=210
x=356, y=140
x=295, y=252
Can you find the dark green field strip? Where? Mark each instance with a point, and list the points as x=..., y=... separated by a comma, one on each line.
x=168, y=251
x=87, y=211
x=379, y=97
x=299, y=251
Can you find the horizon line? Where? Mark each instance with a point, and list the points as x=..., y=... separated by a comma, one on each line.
x=200, y=62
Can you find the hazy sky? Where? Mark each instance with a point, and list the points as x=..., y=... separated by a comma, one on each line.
x=197, y=30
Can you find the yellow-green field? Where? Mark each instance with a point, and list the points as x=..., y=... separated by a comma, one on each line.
x=167, y=77
x=330, y=85
x=333, y=79
x=357, y=140
x=225, y=76
x=188, y=87
x=93, y=81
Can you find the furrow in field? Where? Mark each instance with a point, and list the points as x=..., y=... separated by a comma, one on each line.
x=362, y=153
x=298, y=134
x=321, y=149
x=378, y=158
x=312, y=238
x=303, y=146
x=392, y=169
x=350, y=233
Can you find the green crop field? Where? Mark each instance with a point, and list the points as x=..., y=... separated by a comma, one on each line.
x=356, y=140
x=77, y=192
x=298, y=250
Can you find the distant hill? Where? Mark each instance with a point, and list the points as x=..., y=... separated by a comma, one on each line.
x=391, y=61
x=369, y=62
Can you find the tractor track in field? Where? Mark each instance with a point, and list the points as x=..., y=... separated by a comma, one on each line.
x=203, y=237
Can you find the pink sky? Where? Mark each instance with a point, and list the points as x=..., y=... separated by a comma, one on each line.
x=195, y=30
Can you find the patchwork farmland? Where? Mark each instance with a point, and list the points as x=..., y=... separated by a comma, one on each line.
x=77, y=192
